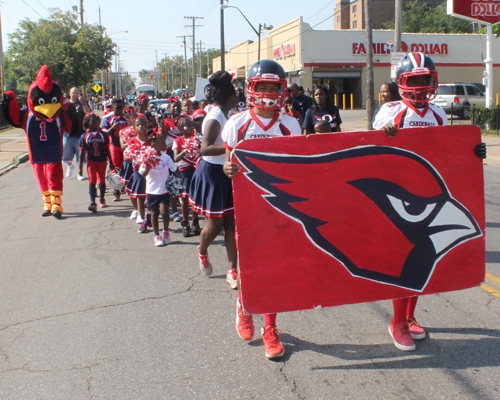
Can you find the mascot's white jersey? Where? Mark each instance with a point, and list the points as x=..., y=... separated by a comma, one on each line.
x=403, y=114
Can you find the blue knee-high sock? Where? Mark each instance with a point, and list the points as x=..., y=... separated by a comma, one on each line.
x=102, y=190
x=92, y=192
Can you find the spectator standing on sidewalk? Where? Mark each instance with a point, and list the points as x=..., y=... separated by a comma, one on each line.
x=71, y=147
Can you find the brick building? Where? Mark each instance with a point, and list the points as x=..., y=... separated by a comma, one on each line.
x=350, y=14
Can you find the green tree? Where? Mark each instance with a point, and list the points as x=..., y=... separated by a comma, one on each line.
x=424, y=18
x=72, y=52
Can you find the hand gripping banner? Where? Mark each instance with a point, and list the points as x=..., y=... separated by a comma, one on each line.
x=354, y=217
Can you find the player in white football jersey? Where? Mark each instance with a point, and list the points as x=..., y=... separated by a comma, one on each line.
x=266, y=92
x=418, y=83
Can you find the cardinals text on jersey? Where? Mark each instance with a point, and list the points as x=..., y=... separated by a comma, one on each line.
x=247, y=125
x=403, y=114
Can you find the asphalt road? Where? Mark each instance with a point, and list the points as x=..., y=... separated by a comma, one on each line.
x=89, y=309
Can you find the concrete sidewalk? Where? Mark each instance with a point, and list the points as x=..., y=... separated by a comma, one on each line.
x=13, y=149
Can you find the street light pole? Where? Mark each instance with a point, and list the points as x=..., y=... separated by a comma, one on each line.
x=222, y=50
x=257, y=32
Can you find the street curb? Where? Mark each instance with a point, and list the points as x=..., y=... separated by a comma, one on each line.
x=15, y=163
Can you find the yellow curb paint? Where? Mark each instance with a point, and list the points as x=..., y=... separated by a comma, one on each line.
x=493, y=278
x=491, y=290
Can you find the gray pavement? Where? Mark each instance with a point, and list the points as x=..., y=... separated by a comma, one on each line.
x=89, y=309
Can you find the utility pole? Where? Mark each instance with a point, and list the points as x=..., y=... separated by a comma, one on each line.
x=103, y=83
x=222, y=50
x=208, y=64
x=81, y=12
x=84, y=90
x=185, y=57
x=200, y=62
x=166, y=72
x=370, y=100
x=194, y=45
x=2, y=69
x=398, y=25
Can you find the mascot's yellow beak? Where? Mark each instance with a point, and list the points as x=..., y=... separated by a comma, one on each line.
x=48, y=110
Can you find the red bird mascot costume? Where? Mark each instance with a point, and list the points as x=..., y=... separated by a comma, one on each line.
x=44, y=121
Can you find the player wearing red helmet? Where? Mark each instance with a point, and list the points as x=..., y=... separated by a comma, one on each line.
x=417, y=84
x=266, y=92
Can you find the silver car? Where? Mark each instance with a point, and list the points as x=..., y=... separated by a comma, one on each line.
x=456, y=98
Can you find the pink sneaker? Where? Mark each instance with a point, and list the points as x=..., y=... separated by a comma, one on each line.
x=401, y=337
x=102, y=203
x=416, y=331
x=272, y=342
x=244, y=323
x=232, y=278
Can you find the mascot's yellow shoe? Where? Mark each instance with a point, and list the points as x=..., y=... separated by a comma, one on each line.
x=56, y=201
x=47, y=204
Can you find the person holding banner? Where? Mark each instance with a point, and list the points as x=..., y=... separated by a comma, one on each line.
x=418, y=83
x=266, y=92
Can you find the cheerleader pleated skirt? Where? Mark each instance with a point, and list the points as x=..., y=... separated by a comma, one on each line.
x=126, y=172
x=211, y=191
x=136, y=186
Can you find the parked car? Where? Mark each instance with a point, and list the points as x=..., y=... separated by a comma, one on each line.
x=458, y=97
x=481, y=87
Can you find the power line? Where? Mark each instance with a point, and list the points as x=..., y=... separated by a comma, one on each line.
x=320, y=10
x=194, y=44
x=33, y=9
x=279, y=12
x=43, y=6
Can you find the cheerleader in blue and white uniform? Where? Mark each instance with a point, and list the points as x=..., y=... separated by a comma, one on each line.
x=211, y=193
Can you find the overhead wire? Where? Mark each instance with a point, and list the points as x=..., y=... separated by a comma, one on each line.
x=320, y=10
x=33, y=9
x=300, y=34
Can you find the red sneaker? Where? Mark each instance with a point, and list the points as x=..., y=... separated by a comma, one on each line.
x=416, y=331
x=244, y=323
x=272, y=342
x=232, y=278
x=401, y=336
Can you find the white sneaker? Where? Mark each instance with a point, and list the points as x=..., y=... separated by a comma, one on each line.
x=70, y=170
x=176, y=217
x=159, y=241
x=166, y=237
x=82, y=178
x=139, y=220
x=134, y=214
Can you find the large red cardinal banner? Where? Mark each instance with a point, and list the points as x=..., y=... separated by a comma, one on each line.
x=354, y=217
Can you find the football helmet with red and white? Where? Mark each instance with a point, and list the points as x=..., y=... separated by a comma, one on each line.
x=266, y=71
x=412, y=87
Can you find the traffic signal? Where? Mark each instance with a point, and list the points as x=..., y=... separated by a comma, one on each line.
x=163, y=75
x=150, y=75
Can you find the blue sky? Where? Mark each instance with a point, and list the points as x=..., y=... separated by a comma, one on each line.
x=155, y=25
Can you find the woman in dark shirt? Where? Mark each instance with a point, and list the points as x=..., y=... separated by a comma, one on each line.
x=322, y=109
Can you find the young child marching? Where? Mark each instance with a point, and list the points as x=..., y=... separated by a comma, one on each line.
x=418, y=83
x=211, y=191
x=157, y=174
x=186, y=152
x=136, y=187
x=170, y=132
x=266, y=92
x=95, y=145
x=112, y=123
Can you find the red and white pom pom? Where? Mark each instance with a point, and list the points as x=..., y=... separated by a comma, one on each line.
x=131, y=151
x=128, y=133
x=193, y=147
x=148, y=157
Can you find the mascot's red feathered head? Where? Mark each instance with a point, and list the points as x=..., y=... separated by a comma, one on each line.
x=45, y=97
